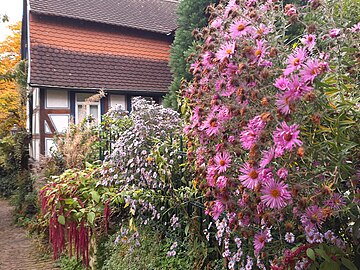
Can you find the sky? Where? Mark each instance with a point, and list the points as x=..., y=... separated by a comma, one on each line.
x=13, y=9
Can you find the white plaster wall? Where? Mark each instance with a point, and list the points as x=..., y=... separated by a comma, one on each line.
x=118, y=100
x=60, y=122
x=57, y=99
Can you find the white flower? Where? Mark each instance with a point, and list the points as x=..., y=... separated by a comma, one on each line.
x=289, y=237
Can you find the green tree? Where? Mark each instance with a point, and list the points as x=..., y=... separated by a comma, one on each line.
x=191, y=15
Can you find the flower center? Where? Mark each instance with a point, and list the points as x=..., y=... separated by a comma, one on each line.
x=222, y=162
x=296, y=61
x=275, y=193
x=258, y=53
x=314, y=71
x=241, y=27
x=253, y=174
x=262, y=239
x=228, y=51
x=213, y=123
x=310, y=39
x=288, y=137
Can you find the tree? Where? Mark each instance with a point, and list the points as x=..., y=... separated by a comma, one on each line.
x=11, y=105
x=191, y=15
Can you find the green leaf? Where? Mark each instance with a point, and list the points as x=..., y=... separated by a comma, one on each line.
x=310, y=253
x=348, y=264
x=187, y=229
x=329, y=266
x=69, y=201
x=61, y=220
x=323, y=254
x=95, y=196
x=91, y=217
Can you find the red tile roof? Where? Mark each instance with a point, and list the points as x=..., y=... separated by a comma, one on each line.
x=79, y=70
x=150, y=15
x=68, y=54
x=61, y=33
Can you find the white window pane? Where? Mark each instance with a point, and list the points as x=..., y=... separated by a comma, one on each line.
x=94, y=112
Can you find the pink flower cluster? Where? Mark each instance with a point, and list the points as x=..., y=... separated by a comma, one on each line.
x=248, y=102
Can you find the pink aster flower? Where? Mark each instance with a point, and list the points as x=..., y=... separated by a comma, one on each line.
x=282, y=173
x=267, y=157
x=259, y=52
x=239, y=28
x=262, y=30
x=356, y=28
x=250, y=177
x=226, y=51
x=336, y=201
x=287, y=136
x=211, y=125
x=217, y=209
x=275, y=195
x=260, y=239
x=284, y=102
x=251, y=133
x=311, y=70
x=216, y=23
x=295, y=60
x=309, y=41
x=222, y=161
x=334, y=33
x=210, y=175
x=282, y=83
x=313, y=217
x=221, y=182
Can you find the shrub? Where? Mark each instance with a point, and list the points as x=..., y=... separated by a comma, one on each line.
x=274, y=124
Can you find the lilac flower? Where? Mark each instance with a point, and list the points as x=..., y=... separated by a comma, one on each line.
x=251, y=133
x=260, y=239
x=356, y=28
x=217, y=209
x=282, y=83
x=221, y=182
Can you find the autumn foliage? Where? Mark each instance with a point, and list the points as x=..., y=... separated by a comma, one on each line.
x=11, y=110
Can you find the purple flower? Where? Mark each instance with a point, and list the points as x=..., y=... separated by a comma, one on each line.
x=239, y=28
x=295, y=60
x=309, y=41
x=282, y=173
x=217, y=209
x=334, y=33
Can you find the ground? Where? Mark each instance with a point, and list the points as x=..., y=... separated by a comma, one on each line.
x=17, y=251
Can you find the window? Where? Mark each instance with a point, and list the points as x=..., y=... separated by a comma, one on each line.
x=84, y=109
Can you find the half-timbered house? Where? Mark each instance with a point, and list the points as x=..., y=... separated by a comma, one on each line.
x=76, y=47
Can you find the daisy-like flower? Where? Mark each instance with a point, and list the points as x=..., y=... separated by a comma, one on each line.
x=250, y=177
x=289, y=237
x=221, y=182
x=217, y=209
x=275, y=195
x=295, y=60
x=226, y=51
x=216, y=23
x=334, y=33
x=282, y=173
x=259, y=52
x=267, y=157
x=251, y=133
x=282, y=83
x=212, y=125
x=287, y=136
x=311, y=70
x=313, y=217
x=356, y=28
x=239, y=28
x=259, y=240
x=336, y=202
x=309, y=41
x=284, y=102
x=222, y=161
